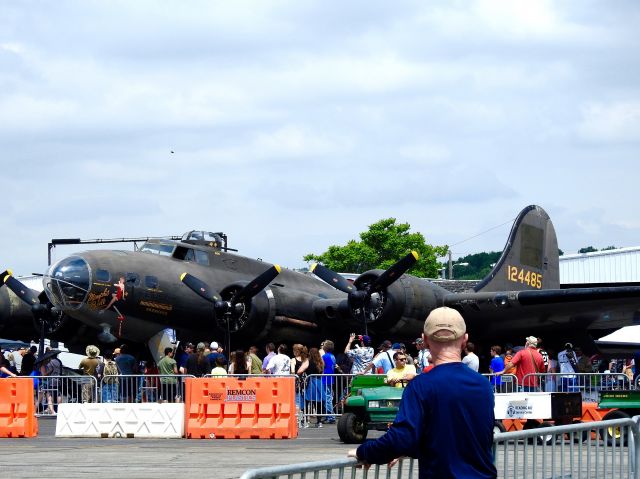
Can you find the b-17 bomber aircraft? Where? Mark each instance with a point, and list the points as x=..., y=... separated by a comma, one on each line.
x=200, y=289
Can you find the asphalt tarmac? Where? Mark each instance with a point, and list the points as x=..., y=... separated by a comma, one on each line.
x=50, y=457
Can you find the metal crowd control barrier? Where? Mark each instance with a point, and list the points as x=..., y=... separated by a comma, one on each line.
x=589, y=384
x=321, y=397
x=503, y=383
x=141, y=388
x=339, y=468
x=49, y=391
x=605, y=449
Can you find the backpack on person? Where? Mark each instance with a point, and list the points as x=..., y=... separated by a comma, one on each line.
x=110, y=372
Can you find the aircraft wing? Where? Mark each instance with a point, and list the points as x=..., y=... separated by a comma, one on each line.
x=583, y=308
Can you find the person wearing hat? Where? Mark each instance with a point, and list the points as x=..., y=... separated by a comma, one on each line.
x=445, y=417
x=89, y=366
x=361, y=354
x=529, y=364
x=216, y=352
x=383, y=362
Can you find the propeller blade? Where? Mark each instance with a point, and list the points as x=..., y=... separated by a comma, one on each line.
x=332, y=278
x=20, y=290
x=256, y=285
x=394, y=272
x=200, y=288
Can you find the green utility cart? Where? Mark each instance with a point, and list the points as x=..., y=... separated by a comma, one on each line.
x=371, y=404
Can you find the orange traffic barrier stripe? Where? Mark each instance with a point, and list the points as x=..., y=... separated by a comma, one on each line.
x=247, y=408
x=591, y=412
x=17, y=408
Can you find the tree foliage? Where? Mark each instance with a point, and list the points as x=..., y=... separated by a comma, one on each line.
x=478, y=265
x=381, y=246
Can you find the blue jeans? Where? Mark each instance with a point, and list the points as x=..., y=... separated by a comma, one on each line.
x=110, y=392
x=328, y=402
x=568, y=384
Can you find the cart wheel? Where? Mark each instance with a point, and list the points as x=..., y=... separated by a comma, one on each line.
x=351, y=428
x=614, y=435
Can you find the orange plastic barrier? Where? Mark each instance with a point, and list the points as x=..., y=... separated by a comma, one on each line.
x=233, y=408
x=17, y=408
x=591, y=412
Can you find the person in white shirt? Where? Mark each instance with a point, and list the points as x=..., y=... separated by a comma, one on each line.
x=280, y=363
x=471, y=359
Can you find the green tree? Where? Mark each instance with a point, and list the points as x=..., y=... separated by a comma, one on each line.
x=478, y=265
x=588, y=249
x=381, y=246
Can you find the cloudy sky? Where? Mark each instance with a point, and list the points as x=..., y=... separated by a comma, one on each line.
x=293, y=125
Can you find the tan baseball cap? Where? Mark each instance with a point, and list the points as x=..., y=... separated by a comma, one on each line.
x=444, y=325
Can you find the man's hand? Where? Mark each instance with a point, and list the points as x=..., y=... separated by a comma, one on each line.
x=353, y=453
x=395, y=461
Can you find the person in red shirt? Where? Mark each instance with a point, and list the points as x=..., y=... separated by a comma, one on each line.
x=529, y=362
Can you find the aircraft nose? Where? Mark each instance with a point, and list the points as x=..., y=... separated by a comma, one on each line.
x=68, y=282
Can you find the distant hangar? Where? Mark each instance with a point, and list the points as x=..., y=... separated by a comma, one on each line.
x=620, y=266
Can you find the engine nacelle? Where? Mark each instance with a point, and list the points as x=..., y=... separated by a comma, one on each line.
x=250, y=318
x=400, y=309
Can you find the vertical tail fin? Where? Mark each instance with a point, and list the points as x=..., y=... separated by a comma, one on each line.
x=530, y=257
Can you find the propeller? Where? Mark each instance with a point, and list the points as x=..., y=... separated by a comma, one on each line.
x=41, y=308
x=235, y=307
x=366, y=295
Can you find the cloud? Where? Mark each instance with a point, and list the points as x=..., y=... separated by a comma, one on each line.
x=295, y=125
x=610, y=122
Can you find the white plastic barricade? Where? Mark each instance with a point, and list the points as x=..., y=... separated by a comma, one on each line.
x=150, y=420
x=522, y=406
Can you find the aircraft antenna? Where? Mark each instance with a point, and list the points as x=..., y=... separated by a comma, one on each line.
x=484, y=232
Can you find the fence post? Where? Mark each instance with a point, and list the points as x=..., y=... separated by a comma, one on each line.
x=635, y=443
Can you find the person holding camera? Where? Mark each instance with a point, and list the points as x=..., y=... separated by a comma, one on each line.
x=361, y=354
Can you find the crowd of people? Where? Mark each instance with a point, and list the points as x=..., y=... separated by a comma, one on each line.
x=162, y=381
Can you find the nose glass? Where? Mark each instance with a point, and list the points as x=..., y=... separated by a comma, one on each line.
x=67, y=283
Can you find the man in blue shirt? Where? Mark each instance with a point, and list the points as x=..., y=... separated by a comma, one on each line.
x=445, y=417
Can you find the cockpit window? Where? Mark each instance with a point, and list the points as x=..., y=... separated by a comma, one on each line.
x=202, y=257
x=158, y=248
x=185, y=254
x=103, y=275
x=190, y=254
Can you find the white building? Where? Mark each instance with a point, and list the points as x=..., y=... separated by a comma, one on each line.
x=601, y=267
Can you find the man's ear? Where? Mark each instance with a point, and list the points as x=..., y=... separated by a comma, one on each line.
x=464, y=341
x=426, y=341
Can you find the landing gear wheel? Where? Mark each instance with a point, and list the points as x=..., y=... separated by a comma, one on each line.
x=351, y=429
x=614, y=435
